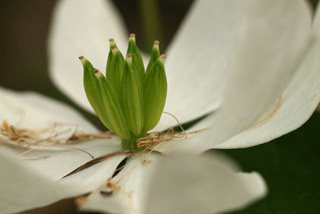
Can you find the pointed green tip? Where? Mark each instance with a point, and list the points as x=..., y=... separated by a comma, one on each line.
x=162, y=58
x=112, y=43
x=156, y=44
x=129, y=58
x=83, y=60
x=97, y=73
x=114, y=49
x=87, y=66
x=132, y=37
x=113, y=46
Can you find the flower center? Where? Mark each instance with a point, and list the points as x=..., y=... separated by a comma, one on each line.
x=130, y=99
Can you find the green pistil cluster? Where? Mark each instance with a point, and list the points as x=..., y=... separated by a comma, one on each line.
x=129, y=101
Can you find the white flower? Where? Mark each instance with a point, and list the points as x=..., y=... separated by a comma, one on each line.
x=254, y=61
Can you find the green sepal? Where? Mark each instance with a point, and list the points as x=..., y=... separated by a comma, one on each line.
x=133, y=98
x=115, y=67
x=155, y=54
x=93, y=92
x=137, y=62
x=110, y=100
x=155, y=93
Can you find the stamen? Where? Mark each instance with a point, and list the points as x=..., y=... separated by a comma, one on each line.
x=81, y=200
x=5, y=125
x=49, y=136
x=113, y=185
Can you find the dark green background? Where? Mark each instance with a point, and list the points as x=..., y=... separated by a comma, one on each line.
x=290, y=164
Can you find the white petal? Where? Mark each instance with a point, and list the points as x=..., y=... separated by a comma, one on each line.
x=297, y=104
x=82, y=27
x=178, y=183
x=198, y=58
x=131, y=196
x=192, y=143
x=45, y=164
x=272, y=40
x=22, y=188
x=42, y=171
x=55, y=164
x=269, y=45
x=95, y=175
x=32, y=110
x=201, y=184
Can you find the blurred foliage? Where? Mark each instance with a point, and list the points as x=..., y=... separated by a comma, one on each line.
x=169, y=15
x=314, y=3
